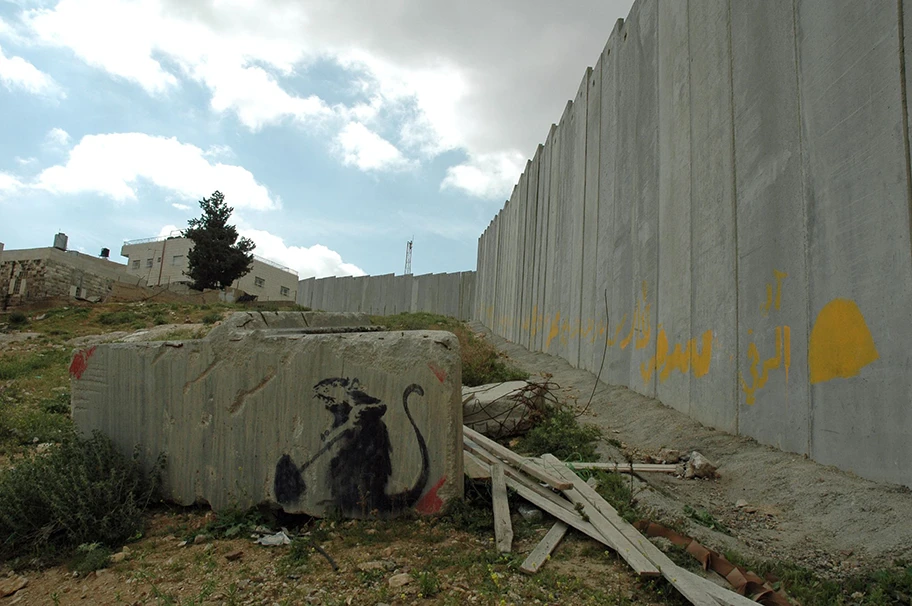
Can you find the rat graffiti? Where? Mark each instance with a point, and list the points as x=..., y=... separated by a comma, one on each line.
x=361, y=464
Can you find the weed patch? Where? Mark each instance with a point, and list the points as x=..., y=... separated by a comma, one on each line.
x=704, y=518
x=82, y=491
x=90, y=557
x=481, y=362
x=17, y=319
x=18, y=366
x=473, y=513
x=561, y=435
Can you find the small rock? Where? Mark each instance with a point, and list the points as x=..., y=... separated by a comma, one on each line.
x=529, y=513
x=234, y=555
x=399, y=580
x=669, y=456
x=741, y=503
x=200, y=539
x=9, y=586
x=373, y=565
x=125, y=550
x=117, y=558
x=182, y=544
x=699, y=466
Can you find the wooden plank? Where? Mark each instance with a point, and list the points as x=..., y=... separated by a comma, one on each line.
x=625, y=548
x=474, y=441
x=474, y=468
x=544, y=499
x=503, y=529
x=625, y=467
x=693, y=590
x=545, y=547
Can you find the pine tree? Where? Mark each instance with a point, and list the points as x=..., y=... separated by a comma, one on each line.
x=217, y=258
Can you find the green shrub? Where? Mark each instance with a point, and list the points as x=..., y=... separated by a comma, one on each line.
x=561, y=435
x=17, y=318
x=212, y=317
x=90, y=557
x=233, y=522
x=82, y=491
x=116, y=317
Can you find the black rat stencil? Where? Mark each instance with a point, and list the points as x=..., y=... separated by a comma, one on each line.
x=361, y=466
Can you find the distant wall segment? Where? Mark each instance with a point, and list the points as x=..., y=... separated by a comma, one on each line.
x=730, y=186
x=449, y=294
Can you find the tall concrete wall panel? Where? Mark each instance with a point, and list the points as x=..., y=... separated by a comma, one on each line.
x=623, y=298
x=607, y=291
x=772, y=234
x=591, y=308
x=574, y=180
x=669, y=367
x=643, y=36
x=714, y=389
x=736, y=176
x=555, y=271
x=528, y=281
x=858, y=226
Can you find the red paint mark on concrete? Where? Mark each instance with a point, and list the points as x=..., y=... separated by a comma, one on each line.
x=81, y=362
x=438, y=372
x=431, y=503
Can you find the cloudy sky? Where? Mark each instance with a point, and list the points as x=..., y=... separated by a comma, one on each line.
x=336, y=129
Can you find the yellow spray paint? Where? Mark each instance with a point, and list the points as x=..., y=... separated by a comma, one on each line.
x=683, y=358
x=841, y=344
x=760, y=373
x=554, y=331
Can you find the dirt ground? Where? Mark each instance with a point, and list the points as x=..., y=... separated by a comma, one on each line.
x=830, y=521
x=775, y=505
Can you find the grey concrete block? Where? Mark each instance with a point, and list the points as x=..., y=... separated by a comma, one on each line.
x=364, y=424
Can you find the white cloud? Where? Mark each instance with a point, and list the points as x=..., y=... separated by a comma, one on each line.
x=168, y=230
x=181, y=206
x=114, y=164
x=365, y=149
x=9, y=183
x=24, y=161
x=17, y=73
x=316, y=260
x=429, y=70
x=489, y=176
x=58, y=137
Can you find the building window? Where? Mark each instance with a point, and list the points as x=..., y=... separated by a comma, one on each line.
x=136, y=264
x=177, y=260
x=259, y=282
x=159, y=259
x=284, y=290
x=148, y=262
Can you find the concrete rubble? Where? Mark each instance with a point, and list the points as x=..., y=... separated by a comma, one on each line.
x=264, y=411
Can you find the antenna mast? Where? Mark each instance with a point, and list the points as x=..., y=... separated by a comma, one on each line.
x=408, y=257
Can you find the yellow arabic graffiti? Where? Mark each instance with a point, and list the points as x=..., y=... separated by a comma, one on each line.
x=681, y=358
x=760, y=370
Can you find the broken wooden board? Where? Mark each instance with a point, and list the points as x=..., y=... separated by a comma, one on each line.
x=545, y=547
x=474, y=441
x=695, y=592
x=626, y=547
x=474, y=469
x=626, y=467
x=503, y=528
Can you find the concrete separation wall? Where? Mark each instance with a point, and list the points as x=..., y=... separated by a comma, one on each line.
x=449, y=294
x=360, y=423
x=724, y=207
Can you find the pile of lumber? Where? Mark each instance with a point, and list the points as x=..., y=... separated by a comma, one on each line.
x=552, y=486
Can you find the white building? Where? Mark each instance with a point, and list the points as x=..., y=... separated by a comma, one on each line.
x=163, y=260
